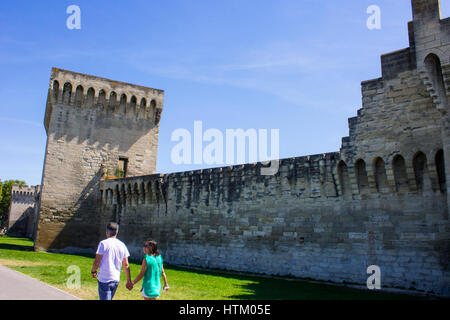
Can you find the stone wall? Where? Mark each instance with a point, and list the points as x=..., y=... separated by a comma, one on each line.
x=298, y=223
x=381, y=200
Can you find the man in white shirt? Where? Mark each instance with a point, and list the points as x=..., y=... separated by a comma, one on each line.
x=111, y=255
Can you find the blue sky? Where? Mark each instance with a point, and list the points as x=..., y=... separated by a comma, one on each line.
x=292, y=65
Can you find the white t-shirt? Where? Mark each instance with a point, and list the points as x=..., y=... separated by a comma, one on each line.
x=113, y=251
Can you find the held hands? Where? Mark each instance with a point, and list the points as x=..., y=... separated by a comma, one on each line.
x=166, y=287
x=129, y=285
x=94, y=274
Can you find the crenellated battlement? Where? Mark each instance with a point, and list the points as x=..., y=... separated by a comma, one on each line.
x=24, y=193
x=308, y=177
x=111, y=97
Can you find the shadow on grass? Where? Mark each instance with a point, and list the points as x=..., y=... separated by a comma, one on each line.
x=266, y=288
x=271, y=289
x=27, y=244
x=7, y=246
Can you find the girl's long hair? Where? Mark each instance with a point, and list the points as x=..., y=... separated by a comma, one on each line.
x=153, y=247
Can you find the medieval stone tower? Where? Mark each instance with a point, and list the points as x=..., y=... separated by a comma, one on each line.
x=95, y=128
x=382, y=199
x=22, y=212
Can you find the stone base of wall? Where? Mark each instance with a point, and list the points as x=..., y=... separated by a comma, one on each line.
x=326, y=239
x=314, y=262
x=58, y=230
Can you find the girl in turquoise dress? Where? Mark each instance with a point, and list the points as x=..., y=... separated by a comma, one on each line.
x=151, y=270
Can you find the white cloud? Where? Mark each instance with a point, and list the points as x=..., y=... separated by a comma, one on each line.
x=21, y=121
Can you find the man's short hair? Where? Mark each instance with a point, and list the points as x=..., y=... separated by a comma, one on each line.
x=112, y=228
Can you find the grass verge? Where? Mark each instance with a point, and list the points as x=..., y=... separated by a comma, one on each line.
x=186, y=284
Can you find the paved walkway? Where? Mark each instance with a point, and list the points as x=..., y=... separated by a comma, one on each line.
x=17, y=286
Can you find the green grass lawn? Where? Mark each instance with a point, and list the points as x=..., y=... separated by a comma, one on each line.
x=18, y=254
